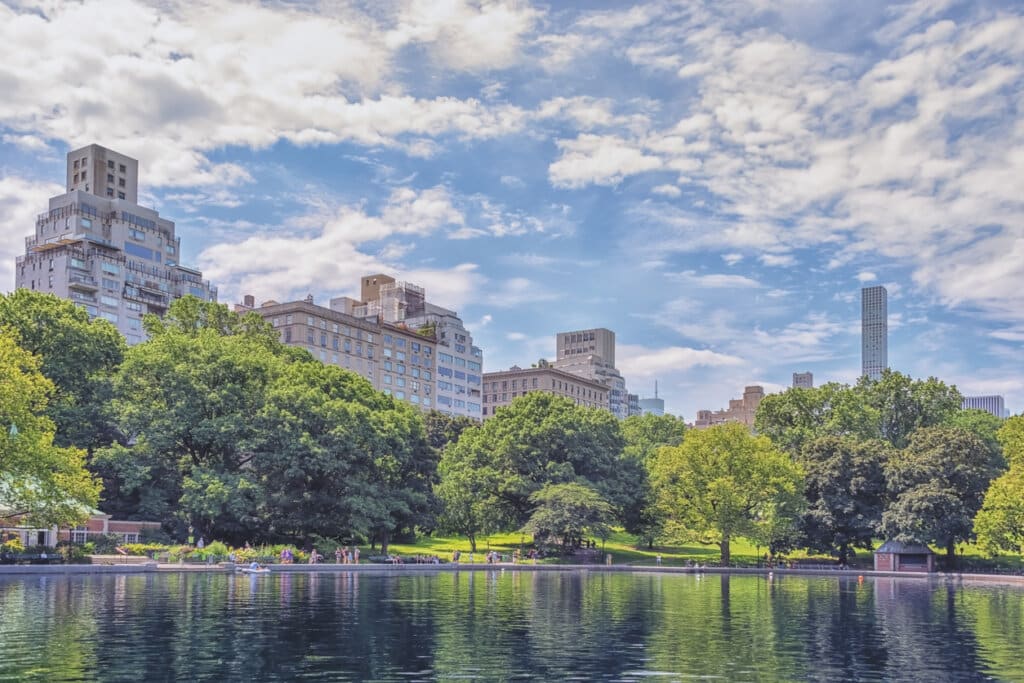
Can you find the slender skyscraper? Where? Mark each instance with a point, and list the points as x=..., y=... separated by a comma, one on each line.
x=874, y=331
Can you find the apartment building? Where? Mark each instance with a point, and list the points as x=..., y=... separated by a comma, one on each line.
x=992, y=404
x=591, y=354
x=502, y=387
x=740, y=410
x=459, y=363
x=97, y=247
x=394, y=358
x=874, y=331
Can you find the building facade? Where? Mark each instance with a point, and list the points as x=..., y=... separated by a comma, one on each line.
x=740, y=410
x=803, y=380
x=502, y=387
x=395, y=358
x=990, y=404
x=97, y=247
x=874, y=331
x=652, y=406
x=459, y=363
x=591, y=354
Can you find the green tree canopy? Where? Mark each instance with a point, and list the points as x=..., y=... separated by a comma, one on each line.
x=539, y=439
x=77, y=354
x=796, y=416
x=644, y=435
x=1011, y=436
x=443, y=429
x=936, y=486
x=845, y=488
x=569, y=512
x=999, y=525
x=904, y=404
x=44, y=483
x=722, y=482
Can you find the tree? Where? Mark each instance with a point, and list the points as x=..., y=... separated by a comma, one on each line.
x=569, y=512
x=77, y=354
x=186, y=399
x=466, y=482
x=936, y=486
x=845, y=489
x=999, y=525
x=443, y=429
x=797, y=416
x=904, y=404
x=41, y=482
x=644, y=435
x=539, y=439
x=722, y=482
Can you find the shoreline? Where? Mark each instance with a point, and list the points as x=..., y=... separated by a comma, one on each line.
x=377, y=569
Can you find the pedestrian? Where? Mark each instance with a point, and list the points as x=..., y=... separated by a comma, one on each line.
x=337, y=555
x=201, y=544
x=313, y=556
x=355, y=555
x=659, y=559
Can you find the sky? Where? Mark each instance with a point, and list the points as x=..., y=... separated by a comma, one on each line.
x=714, y=181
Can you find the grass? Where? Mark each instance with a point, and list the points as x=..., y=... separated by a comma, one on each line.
x=624, y=549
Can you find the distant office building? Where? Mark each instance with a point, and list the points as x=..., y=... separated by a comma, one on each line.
x=990, y=404
x=504, y=386
x=874, y=326
x=591, y=354
x=395, y=359
x=740, y=410
x=97, y=247
x=652, y=406
x=803, y=380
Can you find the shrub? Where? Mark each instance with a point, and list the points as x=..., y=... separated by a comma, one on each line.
x=106, y=544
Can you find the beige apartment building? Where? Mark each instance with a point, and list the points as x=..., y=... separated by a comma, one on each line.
x=501, y=387
x=394, y=358
x=740, y=410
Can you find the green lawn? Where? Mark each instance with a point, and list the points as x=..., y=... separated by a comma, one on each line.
x=624, y=550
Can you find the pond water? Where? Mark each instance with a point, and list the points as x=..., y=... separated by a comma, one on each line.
x=494, y=625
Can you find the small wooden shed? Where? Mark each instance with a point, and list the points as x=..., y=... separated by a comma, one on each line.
x=894, y=556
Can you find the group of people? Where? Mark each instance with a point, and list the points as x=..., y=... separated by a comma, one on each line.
x=346, y=556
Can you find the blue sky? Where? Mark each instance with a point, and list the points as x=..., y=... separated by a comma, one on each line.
x=713, y=181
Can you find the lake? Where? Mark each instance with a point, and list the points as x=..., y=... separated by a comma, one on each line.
x=505, y=625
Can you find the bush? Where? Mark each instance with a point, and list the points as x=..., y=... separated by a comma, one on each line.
x=143, y=549
x=12, y=545
x=106, y=544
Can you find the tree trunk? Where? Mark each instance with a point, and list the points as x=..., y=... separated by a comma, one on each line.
x=384, y=543
x=724, y=546
x=951, y=554
x=843, y=553
x=472, y=542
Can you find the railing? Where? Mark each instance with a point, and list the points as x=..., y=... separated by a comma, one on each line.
x=82, y=280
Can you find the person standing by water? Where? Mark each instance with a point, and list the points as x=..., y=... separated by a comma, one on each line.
x=337, y=555
x=355, y=555
x=314, y=557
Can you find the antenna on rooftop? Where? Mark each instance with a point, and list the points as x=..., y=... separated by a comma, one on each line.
x=655, y=388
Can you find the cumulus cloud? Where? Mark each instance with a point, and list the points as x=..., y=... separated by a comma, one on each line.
x=640, y=361
x=21, y=200
x=598, y=159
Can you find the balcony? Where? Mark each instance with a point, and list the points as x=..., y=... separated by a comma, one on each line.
x=83, y=282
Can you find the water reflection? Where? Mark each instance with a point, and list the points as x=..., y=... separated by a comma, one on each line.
x=498, y=625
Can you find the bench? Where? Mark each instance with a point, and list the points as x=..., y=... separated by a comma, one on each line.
x=30, y=558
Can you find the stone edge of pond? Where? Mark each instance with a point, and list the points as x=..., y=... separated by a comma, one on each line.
x=152, y=567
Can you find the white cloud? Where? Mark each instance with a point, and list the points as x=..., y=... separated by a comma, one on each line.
x=667, y=191
x=28, y=143
x=602, y=160
x=777, y=260
x=21, y=200
x=716, y=280
x=640, y=361
x=732, y=258
x=866, y=276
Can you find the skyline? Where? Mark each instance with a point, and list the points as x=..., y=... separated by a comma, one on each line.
x=715, y=183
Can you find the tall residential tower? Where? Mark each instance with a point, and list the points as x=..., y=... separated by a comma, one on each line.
x=874, y=327
x=97, y=247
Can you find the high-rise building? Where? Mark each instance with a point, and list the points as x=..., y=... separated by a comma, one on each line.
x=634, y=404
x=740, y=410
x=803, y=380
x=504, y=386
x=591, y=354
x=990, y=404
x=97, y=247
x=874, y=326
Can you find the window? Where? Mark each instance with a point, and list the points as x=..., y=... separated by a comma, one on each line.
x=120, y=182
x=276, y=322
x=120, y=195
x=84, y=174
x=309, y=336
x=334, y=328
x=110, y=192
x=473, y=365
x=386, y=352
x=444, y=358
x=137, y=234
x=400, y=381
x=110, y=268
x=415, y=372
x=399, y=342
x=323, y=340
x=288, y=320
x=460, y=362
x=335, y=342
x=78, y=263
x=76, y=164
x=400, y=369
x=108, y=301
x=400, y=395
x=170, y=249
x=387, y=339
x=348, y=346
x=387, y=365
x=121, y=168
x=414, y=399
x=399, y=355
x=387, y=379
x=86, y=223
x=323, y=324
x=426, y=374
x=110, y=164
x=287, y=334
x=110, y=177
x=112, y=317
x=415, y=346
x=359, y=349
x=310, y=321
x=133, y=306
